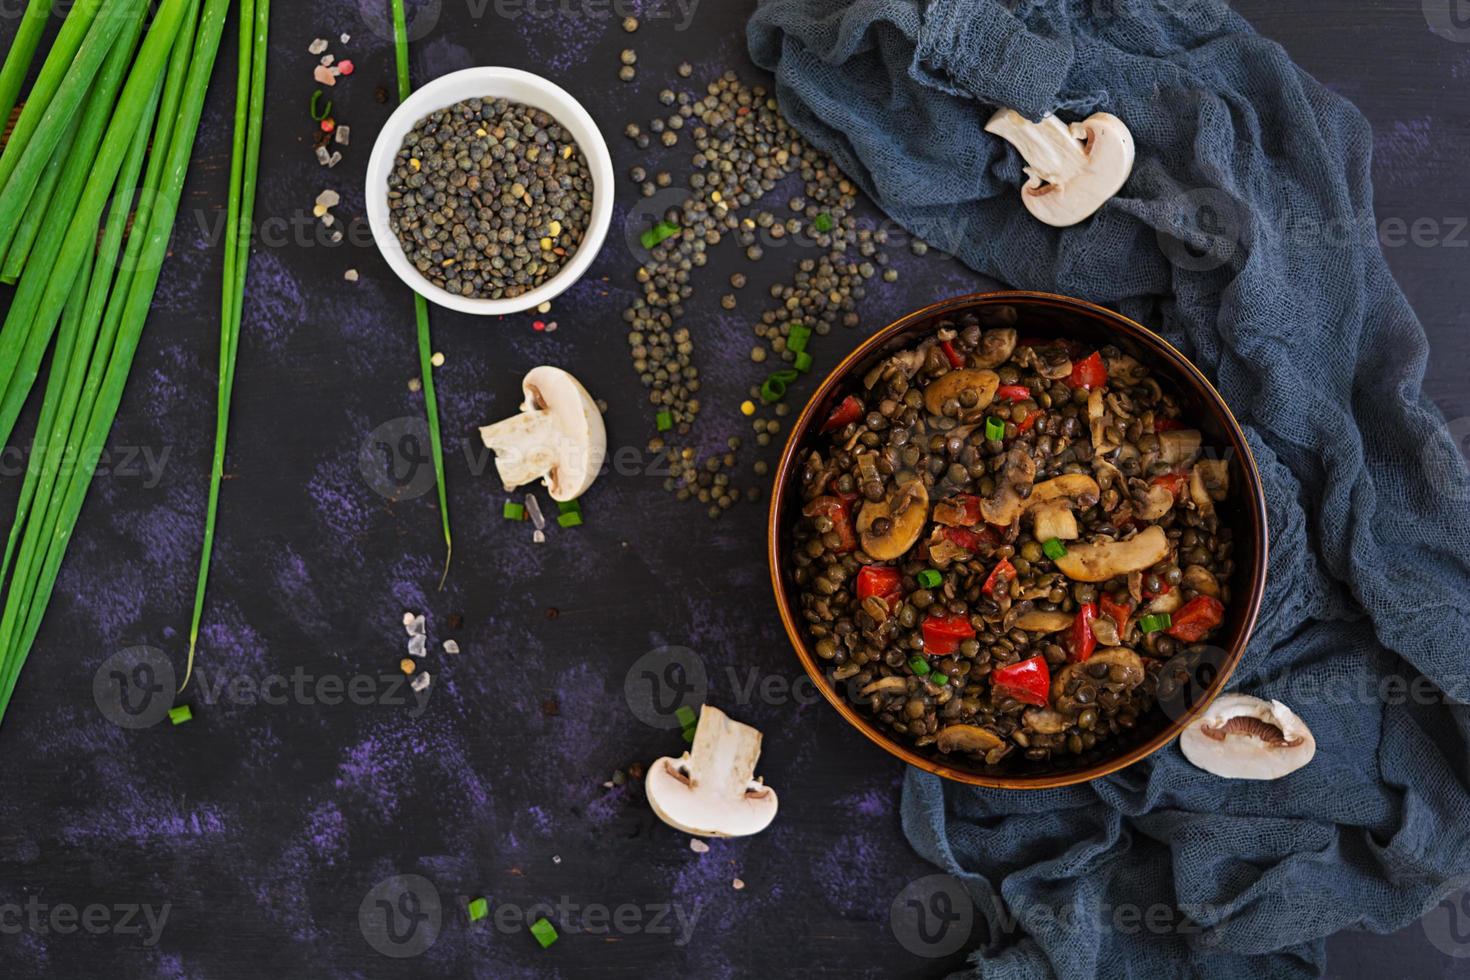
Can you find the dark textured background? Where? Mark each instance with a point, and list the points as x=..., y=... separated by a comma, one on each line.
x=265, y=827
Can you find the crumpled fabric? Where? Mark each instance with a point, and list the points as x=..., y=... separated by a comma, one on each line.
x=1246, y=236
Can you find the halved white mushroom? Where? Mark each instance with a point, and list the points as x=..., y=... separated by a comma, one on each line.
x=1154, y=504
x=1040, y=621
x=996, y=347
x=1100, y=561
x=906, y=510
x=1125, y=370
x=1045, y=721
x=1077, y=487
x=1177, y=446
x=1201, y=580
x=1072, y=170
x=1242, y=737
x=967, y=738
x=558, y=438
x=1055, y=520
x=954, y=384
x=1003, y=507
x=711, y=790
x=1097, y=421
x=885, y=685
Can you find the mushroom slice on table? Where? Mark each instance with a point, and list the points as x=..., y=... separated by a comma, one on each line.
x=711, y=790
x=1243, y=737
x=557, y=438
x=905, y=511
x=1072, y=170
x=1100, y=561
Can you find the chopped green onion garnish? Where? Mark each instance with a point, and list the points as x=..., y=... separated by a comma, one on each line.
x=930, y=578
x=665, y=421
x=514, y=511
x=939, y=678
x=797, y=339
x=544, y=932
x=689, y=734
x=569, y=506
x=995, y=429
x=919, y=665
x=180, y=714
x=572, y=519
x=1054, y=549
x=686, y=716
x=823, y=223
x=803, y=362
x=316, y=113
x=478, y=909
x=772, y=390
x=1154, y=622
x=785, y=376
x=659, y=233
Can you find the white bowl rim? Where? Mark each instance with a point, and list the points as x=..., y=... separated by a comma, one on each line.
x=468, y=83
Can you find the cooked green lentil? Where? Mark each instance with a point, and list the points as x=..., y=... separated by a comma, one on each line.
x=1043, y=658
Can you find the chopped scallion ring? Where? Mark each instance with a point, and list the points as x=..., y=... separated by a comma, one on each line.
x=803, y=362
x=570, y=519
x=930, y=578
x=995, y=429
x=544, y=932
x=569, y=506
x=939, y=678
x=686, y=716
x=823, y=223
x=919, y=665
x=478, y=909
x=659, y=233
x=180, y=714
x=1154, y=622
x=665, y=421
x=514, y=511
x=1054, y=549
x=796, y=339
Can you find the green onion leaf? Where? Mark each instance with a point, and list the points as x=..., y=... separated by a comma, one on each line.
x=930, y=578
x=919, y=665
x=823, y=223
x=514, y=511
x=665, y=421
x=772, y=390
x=569, y=506
x=317, y=113
x=689, y=734
x=1054, y=549
x=544, y=932
x=658, y=234
x=687, y=717
x=1154, y=622
x=796, y=339
x=572, y=519
x=803, y=362
x=180, y=714
x=940, y=678
x=995, y=429
x=785, y=375
x=478, y=909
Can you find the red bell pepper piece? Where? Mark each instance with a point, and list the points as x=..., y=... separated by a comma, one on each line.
x=849, y=411
x=943, y=634
x=1089, y=373
x=1167, y=425
x=839, y=511
x=1175, y=483
x=882, y=581
x=964, y=538
x=1081, y=641
x=956, y=359
x=1117, y=611
x=968, y=507
x=1013, y=393
x=1198, y=616
x=1002, y=568
x=1030, y=420
x=1028, y=681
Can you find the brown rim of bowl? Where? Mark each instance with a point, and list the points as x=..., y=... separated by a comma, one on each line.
x=1259, y=531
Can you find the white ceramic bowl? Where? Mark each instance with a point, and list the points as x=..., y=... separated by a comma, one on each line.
x=491, y=83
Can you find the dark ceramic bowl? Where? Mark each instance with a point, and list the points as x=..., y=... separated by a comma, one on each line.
x=1189, y=682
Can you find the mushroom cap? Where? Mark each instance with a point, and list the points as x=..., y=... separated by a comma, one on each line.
x=584, y=446
x=711, y=790
x=1100, y=561
x=1244, y=737
x=1072, y=170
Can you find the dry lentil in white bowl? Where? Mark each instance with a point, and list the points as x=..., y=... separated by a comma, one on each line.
x=442, y=198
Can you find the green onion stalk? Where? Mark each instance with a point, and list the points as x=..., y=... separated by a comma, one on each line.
x=244, y=169
x=22, y=52
x=421, y=314
x=182, y=59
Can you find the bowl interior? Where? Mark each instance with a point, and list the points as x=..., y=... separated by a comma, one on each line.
x=490, y=83
x=1189, y=682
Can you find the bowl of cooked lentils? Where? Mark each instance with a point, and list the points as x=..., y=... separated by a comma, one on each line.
x=1018, y=540
x=490, y=191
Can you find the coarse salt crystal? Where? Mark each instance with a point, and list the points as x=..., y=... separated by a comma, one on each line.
x=329, y=220
x=533, y=507
x=318, y=46
x=329, y=198
x=539, y=537
x=336, y=236
x=328, y=59
x=422, y=681
x=698, y=846
x=737, y=884
x=333, y=160
x=450, y=646
x=556, y=859
x=324, y=75
x=415, y=626
x=324, y=155
x=351, y=275
x=418, y=646
x=408, y=619
x=344, y=135
x=346, y=38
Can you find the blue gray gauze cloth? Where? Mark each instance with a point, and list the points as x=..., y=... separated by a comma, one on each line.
x=1246, y=236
